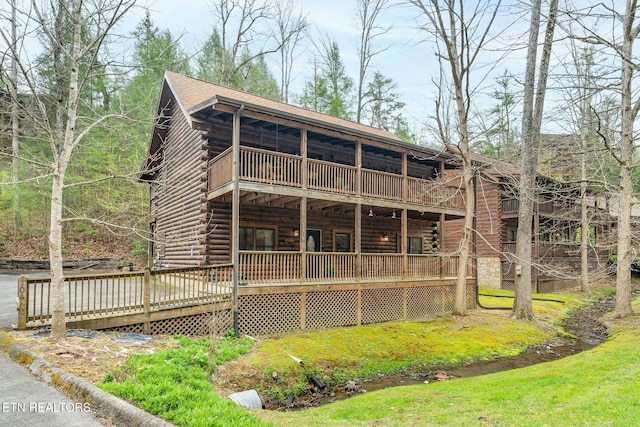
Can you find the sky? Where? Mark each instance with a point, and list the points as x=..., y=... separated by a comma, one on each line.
x=412, y=65
x=408, y=59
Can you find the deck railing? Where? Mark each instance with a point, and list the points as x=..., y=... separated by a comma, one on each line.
x=512, y=206
x=382, y=266
x=264, y=268
x=559, y=250
x=434, y=193
x=93, y=296
x=268, y=267
x=434, y=266
x=257, y=165
x=89, y=296
x=331, y=266
x=383, y=185
x=332, y=177
x=221, y=170
x=270, y=167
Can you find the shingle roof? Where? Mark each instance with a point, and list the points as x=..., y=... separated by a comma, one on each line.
x=194, y=95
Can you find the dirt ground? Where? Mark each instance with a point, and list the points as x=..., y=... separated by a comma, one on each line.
x=90, y=358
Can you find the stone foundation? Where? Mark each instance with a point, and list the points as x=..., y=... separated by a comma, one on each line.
x=490, y=272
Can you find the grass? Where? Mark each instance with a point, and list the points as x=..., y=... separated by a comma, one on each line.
x=595, y=388
x=175, y=383
x=340, y=354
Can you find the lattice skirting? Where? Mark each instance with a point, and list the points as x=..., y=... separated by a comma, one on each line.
x=269, y=314
x=203, y=324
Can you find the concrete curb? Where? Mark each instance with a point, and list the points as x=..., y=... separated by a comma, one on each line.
x=103, y=405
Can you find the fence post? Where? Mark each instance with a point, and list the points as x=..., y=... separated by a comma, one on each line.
x=22, y=302
x=359, y=308
x=146, y=287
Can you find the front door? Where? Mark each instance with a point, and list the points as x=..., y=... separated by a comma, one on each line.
x=313, y=240
x=314, y=267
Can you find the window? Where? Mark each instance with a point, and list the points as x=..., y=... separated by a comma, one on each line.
x=414, y=245
x=257, y=239
x=511, y=235
x=342, y=241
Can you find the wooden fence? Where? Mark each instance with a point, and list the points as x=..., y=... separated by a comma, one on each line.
x=106, y=295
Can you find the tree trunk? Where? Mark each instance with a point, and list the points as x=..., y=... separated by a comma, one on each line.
x=522, y=304
x=15, y=123
x=61, y=162
x=460, y=303
x=58, y=321
x=531, y=123
x=623, y=279
x=584, y=219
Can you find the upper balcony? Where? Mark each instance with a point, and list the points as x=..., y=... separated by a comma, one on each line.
x=295, y=172
x=511, y=206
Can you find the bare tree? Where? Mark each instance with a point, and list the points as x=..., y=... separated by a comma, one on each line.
x=370, y=30
x=630, y=32
x=533, y=104
x=291, y=29
x=15, y=116
x=74, y=33
x=460, y=40
x=242, y=25
x=581, y=83
x=595, y=21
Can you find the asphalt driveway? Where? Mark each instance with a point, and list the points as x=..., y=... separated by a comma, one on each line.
x=27, y=402
x=8, y=299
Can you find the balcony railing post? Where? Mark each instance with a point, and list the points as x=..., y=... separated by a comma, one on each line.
x=23, y=293
x=146, y=289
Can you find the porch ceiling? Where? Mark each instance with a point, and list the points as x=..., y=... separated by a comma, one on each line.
x=320, y=205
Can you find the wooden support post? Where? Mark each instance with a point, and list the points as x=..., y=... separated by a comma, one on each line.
x=146, y=288
x=358, y=240
x=405, y=296
x=358, y=224
x=303, y=239
x=405, y=181
x=23, y=295
x=235, y=215
x=303, y=310
x=403, y=244
x=359, y=308
x=441, y=234
x=358, y=167
x=303, y=207
x=305, y=159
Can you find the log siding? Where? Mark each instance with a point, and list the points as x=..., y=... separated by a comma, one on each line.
x=180, y=219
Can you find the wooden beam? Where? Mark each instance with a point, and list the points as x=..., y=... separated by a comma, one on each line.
x=235, y=214
x=358, y=239
x=403, y=244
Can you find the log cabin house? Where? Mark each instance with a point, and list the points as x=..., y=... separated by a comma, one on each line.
x=325, y=222
x=556, y=229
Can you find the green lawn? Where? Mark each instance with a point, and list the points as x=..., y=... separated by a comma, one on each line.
x=597, y=387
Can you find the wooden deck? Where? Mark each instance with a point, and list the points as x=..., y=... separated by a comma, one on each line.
x=289, y=171
x=91, y=299
x=274, y=295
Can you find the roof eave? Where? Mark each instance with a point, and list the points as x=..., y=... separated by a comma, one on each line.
x=308, y=120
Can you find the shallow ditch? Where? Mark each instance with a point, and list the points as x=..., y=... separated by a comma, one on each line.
x=584, y=324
